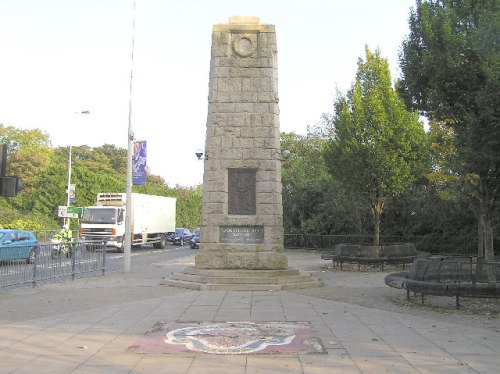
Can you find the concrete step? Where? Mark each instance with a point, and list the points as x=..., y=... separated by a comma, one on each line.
x=240, y=287
x=241, y=272
x=241, y=280
x=237, y=280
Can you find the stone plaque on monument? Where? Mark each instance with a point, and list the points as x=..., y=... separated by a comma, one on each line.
x=241, y=192
x=241, y=234
x=242, y=213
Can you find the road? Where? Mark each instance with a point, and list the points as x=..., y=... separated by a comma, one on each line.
x=146, y=255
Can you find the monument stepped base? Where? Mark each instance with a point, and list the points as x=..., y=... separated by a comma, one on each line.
x=241, y=280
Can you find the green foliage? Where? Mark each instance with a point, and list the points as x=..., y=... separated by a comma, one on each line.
x=188, y=207
x=313, y=202
x=13, y=219
x=44, y=172
x=28, y=152
x=422, y=210
x=451, y=72
x=301, y=177
x=378, y=148
x=22, y=224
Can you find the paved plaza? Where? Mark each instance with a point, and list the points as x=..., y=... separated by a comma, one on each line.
x=97, y=325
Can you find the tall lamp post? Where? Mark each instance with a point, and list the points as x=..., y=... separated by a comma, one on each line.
x=68, y=186
x=69, y=190
x=129, y=180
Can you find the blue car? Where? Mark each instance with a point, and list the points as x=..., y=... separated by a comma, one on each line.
x=17, y=245
x=181, y=236
x=195, y=240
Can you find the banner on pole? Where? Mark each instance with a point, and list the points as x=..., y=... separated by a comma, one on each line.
x=72, y=193
x=139, y=162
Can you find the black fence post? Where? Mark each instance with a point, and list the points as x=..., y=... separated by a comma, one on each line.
x=35, y=264
x=72, y=247
x=103, y=244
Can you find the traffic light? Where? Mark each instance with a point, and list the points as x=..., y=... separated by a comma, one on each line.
x=10, y=186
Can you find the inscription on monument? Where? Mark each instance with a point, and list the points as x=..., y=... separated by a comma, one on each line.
x=241, y=234
x=241, y=192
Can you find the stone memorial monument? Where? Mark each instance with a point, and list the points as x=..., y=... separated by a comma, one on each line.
x=242, y=215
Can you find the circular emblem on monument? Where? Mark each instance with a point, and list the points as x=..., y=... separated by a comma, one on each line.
x=244, y=44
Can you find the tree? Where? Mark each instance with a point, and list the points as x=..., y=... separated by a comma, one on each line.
x=378, y=148
x=301, y=180
x=450, y=66
x=28, y=152
x=44, y=172
x=313, y=202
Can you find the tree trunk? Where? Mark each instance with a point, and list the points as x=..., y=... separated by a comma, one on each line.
x=485, y=230
x=377, y=208
x=488, y=241
x=485, y=239
x=480, y=235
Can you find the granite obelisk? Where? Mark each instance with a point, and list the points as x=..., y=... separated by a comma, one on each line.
x=241, y=241
x=242, y=214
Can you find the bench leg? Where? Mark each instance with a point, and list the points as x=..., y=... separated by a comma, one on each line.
x=457, y=301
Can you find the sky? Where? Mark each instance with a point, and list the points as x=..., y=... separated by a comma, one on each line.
x=60, y=58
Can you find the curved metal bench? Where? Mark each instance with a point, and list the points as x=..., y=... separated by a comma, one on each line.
x=466, y=276
x=400, y=253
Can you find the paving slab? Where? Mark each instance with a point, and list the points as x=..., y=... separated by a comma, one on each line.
x=92, y=325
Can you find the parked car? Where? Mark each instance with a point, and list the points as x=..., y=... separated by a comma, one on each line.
x=170, y=236
x=182, y=236
x=17, y=245
x=195, y=240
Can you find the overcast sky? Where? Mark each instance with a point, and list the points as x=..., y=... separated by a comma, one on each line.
x=62, y=57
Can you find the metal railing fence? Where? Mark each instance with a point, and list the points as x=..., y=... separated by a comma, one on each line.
x=435, y=244
x=82, y=258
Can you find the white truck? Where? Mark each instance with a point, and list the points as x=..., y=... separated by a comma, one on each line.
x=152, y=217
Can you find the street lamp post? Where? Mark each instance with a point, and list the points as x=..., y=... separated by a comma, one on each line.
x=129, y=180
x=68, y=185
x=69, y=190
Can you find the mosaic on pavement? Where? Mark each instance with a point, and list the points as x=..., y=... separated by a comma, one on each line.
x=230, y=338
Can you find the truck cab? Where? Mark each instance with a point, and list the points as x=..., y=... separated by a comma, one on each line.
x=103, y=223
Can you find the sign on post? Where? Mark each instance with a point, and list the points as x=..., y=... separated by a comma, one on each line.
x=72, y=189
x=69, y=211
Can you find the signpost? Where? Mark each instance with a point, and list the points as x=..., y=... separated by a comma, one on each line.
x=69, y=211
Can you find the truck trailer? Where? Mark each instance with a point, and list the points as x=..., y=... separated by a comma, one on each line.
x=152, y=217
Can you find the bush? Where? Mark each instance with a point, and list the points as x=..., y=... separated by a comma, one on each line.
x=14, y=219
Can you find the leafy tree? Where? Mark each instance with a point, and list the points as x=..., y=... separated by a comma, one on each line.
x=378, y=148
x=313, y=202
x=29, y=152
x=117, y=157
x=450, y=66
x=11, y=218
x=301, y=178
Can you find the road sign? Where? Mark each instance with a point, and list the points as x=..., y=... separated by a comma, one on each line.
x=75, y=210
x=69, y=211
